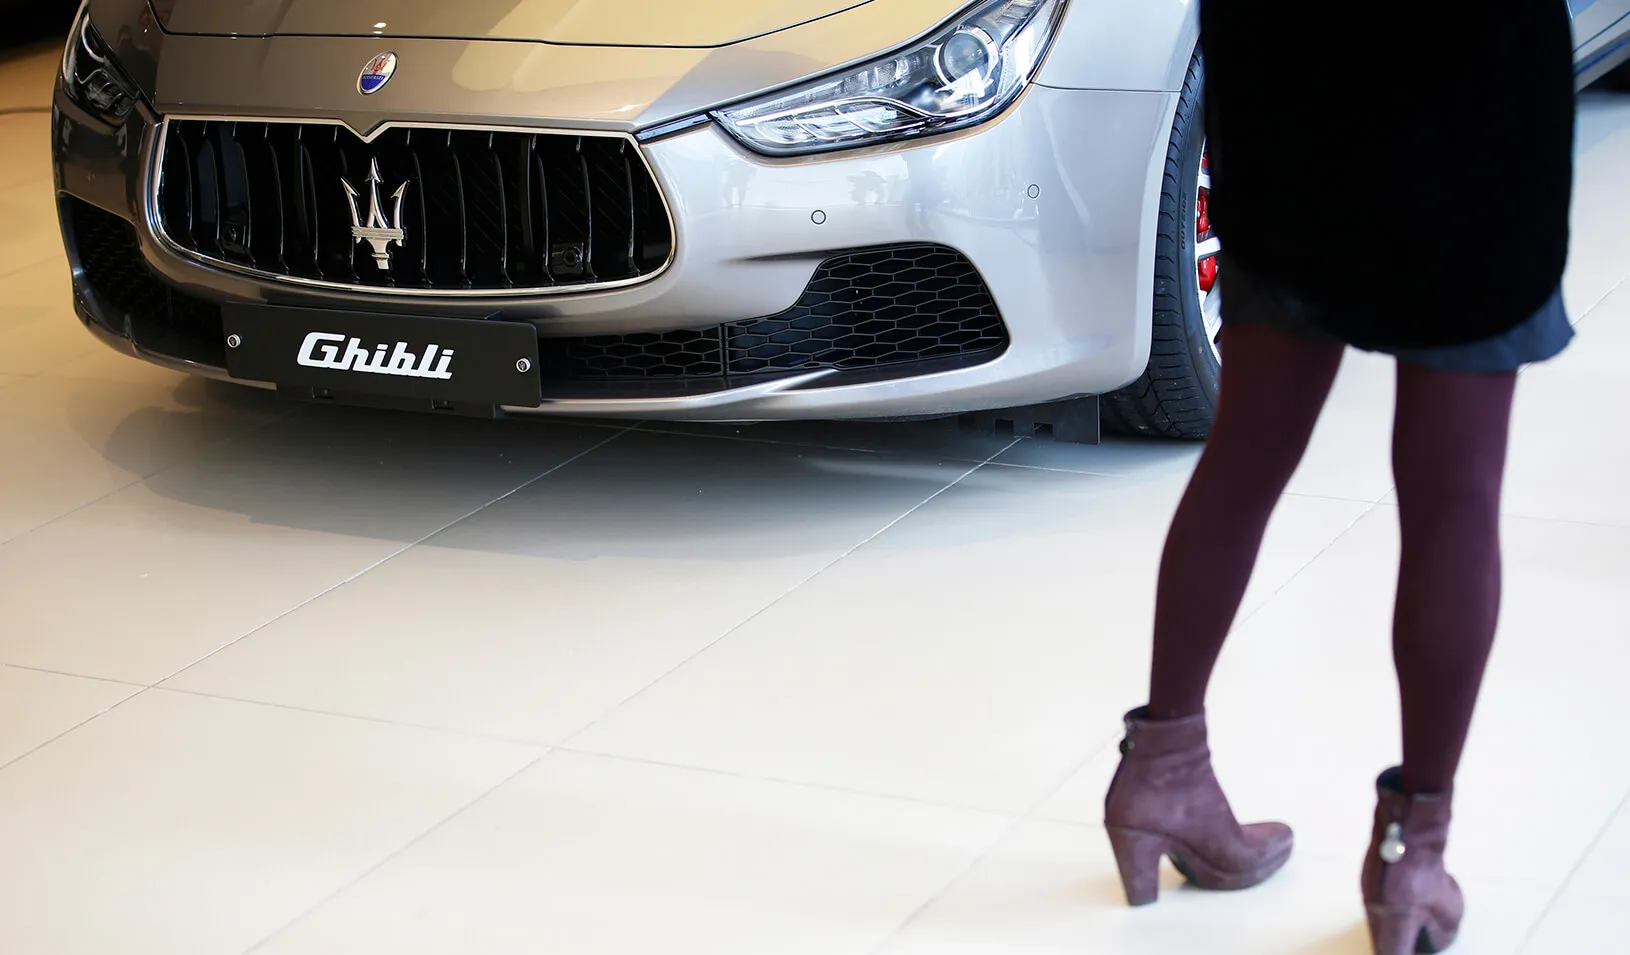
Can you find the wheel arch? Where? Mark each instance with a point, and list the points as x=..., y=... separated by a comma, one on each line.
x=1116, y=45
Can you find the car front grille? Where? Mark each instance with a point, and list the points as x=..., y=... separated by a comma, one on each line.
x=862, y=310
x=132, y=298
x=460, y=211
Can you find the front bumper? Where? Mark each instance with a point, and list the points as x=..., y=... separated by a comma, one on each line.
x=1054, y=204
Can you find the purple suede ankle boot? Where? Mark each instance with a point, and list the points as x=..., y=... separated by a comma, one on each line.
x=1165, y=801
x=1413, y=904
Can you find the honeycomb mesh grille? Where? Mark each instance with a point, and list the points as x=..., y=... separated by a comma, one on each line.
x=113, y=263
x=881, y=307
x=130, y=294
x=862, y=310
x=693, y=353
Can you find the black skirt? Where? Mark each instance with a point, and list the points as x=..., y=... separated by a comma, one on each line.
x=1539, y=337
x=1405, y=168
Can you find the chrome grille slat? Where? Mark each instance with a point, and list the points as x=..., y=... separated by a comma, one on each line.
x=234, y=230
x=545, y=217
x=485, y=211
x=613, y=200
x=485, y=222
x=306, y=247
x=265, y=200
x=569, y=224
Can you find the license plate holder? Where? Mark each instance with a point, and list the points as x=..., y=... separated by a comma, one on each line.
x=462, y=361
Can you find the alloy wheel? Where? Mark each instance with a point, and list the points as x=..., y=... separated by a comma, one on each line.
x=1206, y=245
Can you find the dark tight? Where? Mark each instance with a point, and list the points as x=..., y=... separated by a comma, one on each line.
x=1448, y=456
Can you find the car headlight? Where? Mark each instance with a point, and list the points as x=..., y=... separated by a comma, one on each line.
x=92, y=76
x=966, y=72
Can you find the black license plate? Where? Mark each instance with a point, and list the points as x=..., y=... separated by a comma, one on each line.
x=400, y=356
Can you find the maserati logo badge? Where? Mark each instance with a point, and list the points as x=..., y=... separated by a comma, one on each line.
x=377, y=231
x=376, y=74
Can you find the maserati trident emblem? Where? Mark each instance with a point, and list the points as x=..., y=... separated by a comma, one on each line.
x=377, y=231
x=376, y=74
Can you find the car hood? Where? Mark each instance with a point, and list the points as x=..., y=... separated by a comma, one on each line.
x=488, y=80
x=648, y=23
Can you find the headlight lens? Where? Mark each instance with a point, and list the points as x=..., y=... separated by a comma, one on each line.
x=91, y=75
x=968, y=71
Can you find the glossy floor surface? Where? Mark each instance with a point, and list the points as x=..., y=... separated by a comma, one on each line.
x=305, y=681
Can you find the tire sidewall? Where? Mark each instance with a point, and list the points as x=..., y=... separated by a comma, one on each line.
x=1191, y=146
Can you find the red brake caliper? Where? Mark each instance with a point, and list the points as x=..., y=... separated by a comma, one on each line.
x=1202, y=230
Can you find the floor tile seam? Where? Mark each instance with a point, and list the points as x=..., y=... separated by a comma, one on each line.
x=804, y=784
x=655, y=427
x=1086, y=472
x=185, y=459
x=25, y=266
x=30, y=182
x=474, y=735
x=569, y=421
x=143, y=689
x=137, y=691
x=33, y=528
x=1106, y=743
x=749, y=618
x=1576, y=322
x=1573, y=873
x=52, y=237
x=1568, y=521
x=944, y=890
x=1392, y=489
x=537, y=744
x=390, y=856
x=1339, y=498
x=111, y=379
x=76, y=676
x=470, y=735
x=1590, y=309
x=1031, y=814
x=647, y=427
x=1237, y=631
x=375, y=565
x=1361, y=833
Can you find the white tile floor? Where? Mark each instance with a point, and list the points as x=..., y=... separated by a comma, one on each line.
x=318, y=680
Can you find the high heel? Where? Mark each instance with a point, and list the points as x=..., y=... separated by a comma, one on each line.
x=1397, y=931
x=1166, y=802
x=1138, y=855
x=1412, y=903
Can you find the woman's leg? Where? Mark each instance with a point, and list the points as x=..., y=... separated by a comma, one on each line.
x=1273, y=387
x=1165, y=799
x=1448, y=456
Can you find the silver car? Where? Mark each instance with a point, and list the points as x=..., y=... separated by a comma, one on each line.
x=727, y=212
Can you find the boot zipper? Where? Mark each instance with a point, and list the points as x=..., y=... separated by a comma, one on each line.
x=1392, y=845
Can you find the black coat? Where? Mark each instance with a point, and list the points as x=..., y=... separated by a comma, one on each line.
x=1404, y=167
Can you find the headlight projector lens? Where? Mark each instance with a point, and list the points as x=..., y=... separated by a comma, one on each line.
x=968, y=60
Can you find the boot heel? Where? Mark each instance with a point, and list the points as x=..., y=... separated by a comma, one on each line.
x=1138, y=854
x=1397, y=931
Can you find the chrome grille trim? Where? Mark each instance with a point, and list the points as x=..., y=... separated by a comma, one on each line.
x=155, y=220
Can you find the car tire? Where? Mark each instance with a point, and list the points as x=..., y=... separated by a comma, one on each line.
x=1176, y=397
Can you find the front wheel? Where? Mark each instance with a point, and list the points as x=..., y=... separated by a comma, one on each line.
x=1176, y=397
